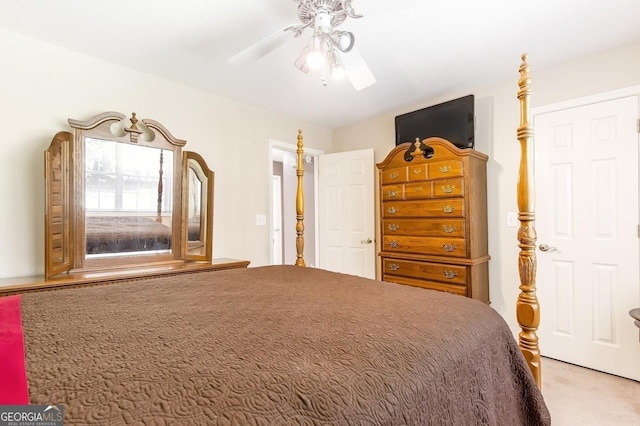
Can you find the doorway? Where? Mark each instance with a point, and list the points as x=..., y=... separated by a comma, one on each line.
x=283, y=187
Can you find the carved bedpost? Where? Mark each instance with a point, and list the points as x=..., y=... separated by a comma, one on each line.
x=300, y=205
x=160, y=189
x=527, y=307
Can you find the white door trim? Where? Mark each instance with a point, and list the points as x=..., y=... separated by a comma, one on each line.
x=585, y=100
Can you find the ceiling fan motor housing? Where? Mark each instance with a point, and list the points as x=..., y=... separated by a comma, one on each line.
x=336, y=10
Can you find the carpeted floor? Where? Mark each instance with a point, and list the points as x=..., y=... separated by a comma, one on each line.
x=580, y=396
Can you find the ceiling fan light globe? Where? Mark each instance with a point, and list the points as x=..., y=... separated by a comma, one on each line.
x=315, y=60
x=335, y=64
x=346, y=40
x=302, y=66
x=301, y=61
x=338, y=73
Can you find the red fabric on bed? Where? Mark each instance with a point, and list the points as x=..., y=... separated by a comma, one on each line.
x=13, y=374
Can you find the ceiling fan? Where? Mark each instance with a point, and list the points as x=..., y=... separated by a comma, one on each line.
x=325, y=46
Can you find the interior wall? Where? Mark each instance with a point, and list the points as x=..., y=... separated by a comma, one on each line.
x=43, y=85
x=497, y=118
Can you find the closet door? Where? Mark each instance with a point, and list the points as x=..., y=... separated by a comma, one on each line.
x=587, y=223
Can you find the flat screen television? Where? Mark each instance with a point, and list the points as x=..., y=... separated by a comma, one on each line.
x=452, y=120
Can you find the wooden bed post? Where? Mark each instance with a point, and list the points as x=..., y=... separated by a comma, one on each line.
x=300, y=205
x=160, y=172
x=527, y=307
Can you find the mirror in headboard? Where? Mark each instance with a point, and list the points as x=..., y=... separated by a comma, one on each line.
x=122, y=193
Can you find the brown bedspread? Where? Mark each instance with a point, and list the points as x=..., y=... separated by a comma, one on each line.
x=274, y=345
x=122, y=234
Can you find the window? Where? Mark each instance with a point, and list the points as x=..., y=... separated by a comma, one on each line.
x=124, y=177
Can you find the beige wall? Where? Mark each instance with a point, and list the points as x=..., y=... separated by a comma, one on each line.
x=42, y=85
x=497, y=117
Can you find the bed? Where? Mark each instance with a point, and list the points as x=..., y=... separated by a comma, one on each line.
x=124, y=234
x=270, y=345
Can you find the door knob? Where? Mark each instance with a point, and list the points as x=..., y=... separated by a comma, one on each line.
x=545, y=248
x=367, y=241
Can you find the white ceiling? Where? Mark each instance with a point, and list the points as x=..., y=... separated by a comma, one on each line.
x=417, y=49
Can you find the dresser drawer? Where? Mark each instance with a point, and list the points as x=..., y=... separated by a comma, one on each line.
x=453, y=207
x=417, y=172
x=395, y=175
x=450, y=274
x=448, y=188
x=454, y=247
x=432, y=285
x=446, y=169
x=443, y=228
x=418, y=190
x=393, y=192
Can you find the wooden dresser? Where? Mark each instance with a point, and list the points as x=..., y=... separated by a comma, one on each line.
x=10, y=286
x=109, y=219
x=433, y=216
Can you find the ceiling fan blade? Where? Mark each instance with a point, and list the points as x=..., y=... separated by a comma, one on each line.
x=357, y=70
x=261, y=48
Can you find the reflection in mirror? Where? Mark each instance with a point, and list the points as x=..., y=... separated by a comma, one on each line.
x=197, y=190
x=195, y=194
x=128, y=202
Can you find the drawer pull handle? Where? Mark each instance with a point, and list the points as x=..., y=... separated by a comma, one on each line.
x=445, y=169
x=392, y=210
x=448, y=189
x=392, y=194
x=418, y=189
x=449, y=229
x=393, y=227
x=449, y=247
x=450, y=274
x=448, y=208
x=393, y=175
x=394, y=244
x=394, y=267
x=417, y=171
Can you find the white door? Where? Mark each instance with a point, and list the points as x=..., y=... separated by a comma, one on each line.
x=347, y=213
x=587, y=225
